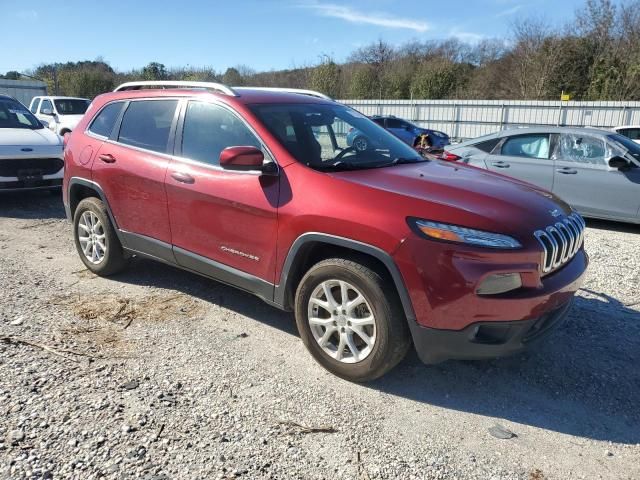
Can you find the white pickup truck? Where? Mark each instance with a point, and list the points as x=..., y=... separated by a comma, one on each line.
x=61, y=114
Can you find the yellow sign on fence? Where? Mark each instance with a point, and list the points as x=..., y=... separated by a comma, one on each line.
x=565, y=97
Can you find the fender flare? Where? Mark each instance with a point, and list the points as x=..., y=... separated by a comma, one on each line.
x=280, y=290
x=98, y=189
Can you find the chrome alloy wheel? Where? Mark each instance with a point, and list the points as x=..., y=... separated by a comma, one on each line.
x=341, y=321
x=92, y=237
x=361, y=144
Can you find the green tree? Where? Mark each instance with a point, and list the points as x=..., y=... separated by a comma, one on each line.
x=363, y=83
x=232, y=77
x=436, y=79
x=154, y=71
x=325, y=78
x=11, y=75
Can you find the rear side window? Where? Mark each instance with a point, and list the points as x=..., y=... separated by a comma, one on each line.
x=105, y=120
x=209, y=129
x=35, y=105
x=146, y=124
x=528, y=146
x=488, y=145
x=395, y=123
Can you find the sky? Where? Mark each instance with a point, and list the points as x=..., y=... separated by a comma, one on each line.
x=263, y=35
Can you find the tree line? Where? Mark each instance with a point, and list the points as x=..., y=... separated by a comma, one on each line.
x=596, y=56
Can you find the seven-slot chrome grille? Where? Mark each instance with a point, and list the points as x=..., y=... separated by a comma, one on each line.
x=560, y=241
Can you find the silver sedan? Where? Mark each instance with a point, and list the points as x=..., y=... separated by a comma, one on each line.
x=596, y=171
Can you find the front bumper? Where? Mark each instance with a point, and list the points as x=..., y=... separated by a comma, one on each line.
x=452, y=321
x=484, y=340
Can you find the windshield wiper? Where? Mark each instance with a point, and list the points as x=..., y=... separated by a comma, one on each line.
x=337, y=166
x=404, y=160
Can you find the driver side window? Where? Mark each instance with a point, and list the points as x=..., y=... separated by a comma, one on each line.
x=46, y=104
x=581, y=149
x=209, y=129
x=394, y=123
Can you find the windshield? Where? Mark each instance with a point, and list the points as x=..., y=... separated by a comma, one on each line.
x=71, y=106
x=632, y=147
x=333, y=137
x=15, y=115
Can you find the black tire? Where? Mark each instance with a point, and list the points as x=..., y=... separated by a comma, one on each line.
x=392, y=332
x=360, y=143
x=114, y=259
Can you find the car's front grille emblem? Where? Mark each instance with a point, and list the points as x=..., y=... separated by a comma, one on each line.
x=560, y=241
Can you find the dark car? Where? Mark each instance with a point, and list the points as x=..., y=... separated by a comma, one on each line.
x=372, y=250
x=404, y=130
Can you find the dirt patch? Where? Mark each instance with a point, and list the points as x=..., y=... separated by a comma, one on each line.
x=124, y=311
x=104, y=318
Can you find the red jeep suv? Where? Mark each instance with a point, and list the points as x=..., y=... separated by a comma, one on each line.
x=374, y=249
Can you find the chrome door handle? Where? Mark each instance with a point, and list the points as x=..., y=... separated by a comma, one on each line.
x=501, y=164
x=567, y=171
x=107, y=158
x=183, y=177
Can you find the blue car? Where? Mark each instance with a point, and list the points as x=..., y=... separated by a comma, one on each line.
x=404, y=130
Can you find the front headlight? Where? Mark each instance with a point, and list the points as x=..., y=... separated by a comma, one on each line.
x=454, y=233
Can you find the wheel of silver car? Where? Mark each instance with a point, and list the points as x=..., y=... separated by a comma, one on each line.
x=341, y=321
x=95, y=238
x=360, y=144
x=92, y=237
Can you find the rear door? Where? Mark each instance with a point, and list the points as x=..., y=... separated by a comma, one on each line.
x=585, y=181
x=130, y=167
x=525, y=157
x=221, y=218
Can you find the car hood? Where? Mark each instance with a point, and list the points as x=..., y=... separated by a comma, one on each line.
x=480, y=198
x=25, y=137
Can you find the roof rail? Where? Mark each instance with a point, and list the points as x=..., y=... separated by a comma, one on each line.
x=162, y=84
x=300, y=91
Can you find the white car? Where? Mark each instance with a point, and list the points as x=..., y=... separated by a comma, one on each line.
x=31, y=156
x=60, y=114
x=630, y=131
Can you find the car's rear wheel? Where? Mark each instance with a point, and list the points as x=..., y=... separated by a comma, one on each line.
x=350, y=318
x=96, y=239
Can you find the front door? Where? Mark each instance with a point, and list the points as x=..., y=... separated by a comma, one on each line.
x=585, y=181
x=223, y=223
x=525, y=157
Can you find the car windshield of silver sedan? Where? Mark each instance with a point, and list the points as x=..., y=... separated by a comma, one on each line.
x=632, y=147
x=333, y=137
x=14, y=115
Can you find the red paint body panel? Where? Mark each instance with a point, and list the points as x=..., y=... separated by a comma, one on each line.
x=263, y=216
x=223, y=214
x=134, y=185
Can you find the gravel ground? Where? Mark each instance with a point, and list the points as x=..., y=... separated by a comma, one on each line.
x=160, y=374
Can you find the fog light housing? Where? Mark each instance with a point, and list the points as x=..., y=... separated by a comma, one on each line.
x=499, y=283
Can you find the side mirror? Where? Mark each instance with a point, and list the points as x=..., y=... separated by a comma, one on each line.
x=243, y=159
x=618, y=163
x=47, y=111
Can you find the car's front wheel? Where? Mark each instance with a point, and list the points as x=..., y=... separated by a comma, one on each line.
x=350, y=318
x=96, y=239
